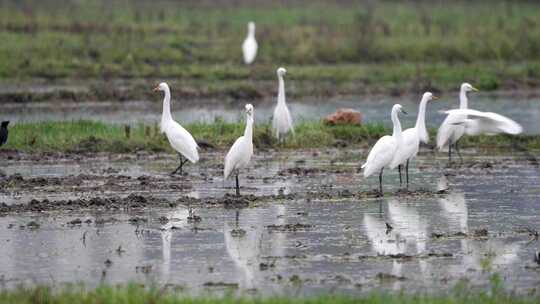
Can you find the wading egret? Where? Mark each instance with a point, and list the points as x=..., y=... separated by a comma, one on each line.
x=449, y=133
x=241, y=151
x=178, y=137
x=249, y=47
x=4, y=132
x=382, y=154
x=282, y=121
x=411, y=138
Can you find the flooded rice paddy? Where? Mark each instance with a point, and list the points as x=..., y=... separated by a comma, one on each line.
x=522, y=109
x=308, y=223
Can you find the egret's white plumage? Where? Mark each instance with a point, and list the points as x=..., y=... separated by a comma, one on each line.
x=488, y=123
x=282, y=120
x=411, y=138
x=449, y=132
x=382, y=154
x=241, y=151
x=249, y=47
x=179, y=138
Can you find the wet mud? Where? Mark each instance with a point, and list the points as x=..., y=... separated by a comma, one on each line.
x=305, y=222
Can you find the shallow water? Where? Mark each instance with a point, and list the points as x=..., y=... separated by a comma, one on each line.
x=342, y=243
x=375, y=108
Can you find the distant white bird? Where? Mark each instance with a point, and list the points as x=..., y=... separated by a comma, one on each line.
x=282, y=121
x=449, y=133
x=488, y=123
x=411, y=139
x=249, y=47
x=382, y=154
x=241, y=151
x=180, y=139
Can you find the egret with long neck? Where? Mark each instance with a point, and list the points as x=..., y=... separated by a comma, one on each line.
x=382, y=154
x=179, y=138
x=451, y=129
x=241, y=151
x=411, y=138
x=282, y=120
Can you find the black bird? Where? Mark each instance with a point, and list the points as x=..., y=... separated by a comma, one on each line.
x=4, y=133
x=388, y=228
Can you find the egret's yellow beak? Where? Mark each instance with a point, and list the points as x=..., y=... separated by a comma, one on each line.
x=475, y=89
x=156, y=89
x=434, y=97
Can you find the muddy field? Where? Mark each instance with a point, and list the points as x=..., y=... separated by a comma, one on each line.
x=307, y=223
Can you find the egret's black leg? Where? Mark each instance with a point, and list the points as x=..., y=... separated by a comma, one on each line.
x=237, y=185
x=407, y=173
x=380, y=182
x=458, y=153
x=400, y=181
x=449, y=153
x=182, y=162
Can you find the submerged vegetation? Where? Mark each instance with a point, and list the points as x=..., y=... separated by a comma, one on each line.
x=91, y=136
x=351, y=48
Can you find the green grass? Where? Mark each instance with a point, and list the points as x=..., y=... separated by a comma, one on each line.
x=135, y=294
x=90, y=136
x=407, y=45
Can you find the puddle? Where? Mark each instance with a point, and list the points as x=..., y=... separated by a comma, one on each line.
x=319, y=240
x=375, y=109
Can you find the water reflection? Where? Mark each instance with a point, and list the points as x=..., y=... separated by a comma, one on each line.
x=454, y=208
x=177, y=219
x=477, y=253
x=247, y=241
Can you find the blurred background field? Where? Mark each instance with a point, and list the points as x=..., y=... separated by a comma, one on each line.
x=329, y=48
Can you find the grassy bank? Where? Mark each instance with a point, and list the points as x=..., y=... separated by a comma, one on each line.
x=351, y=48
x=89, y=136
x=134, y=294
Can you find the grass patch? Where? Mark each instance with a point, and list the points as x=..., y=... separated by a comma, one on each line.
x=91, y=136
x=135, y=294
x=393, y=45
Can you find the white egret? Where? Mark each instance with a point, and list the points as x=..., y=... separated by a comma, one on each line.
x=411, y=139
x=488, y=123
x=241, y=151
x=249, y=47
x=179, y=138
x=449, y=133
x=382, y=154
x=282, y=121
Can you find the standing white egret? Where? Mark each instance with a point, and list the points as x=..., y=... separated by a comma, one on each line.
x=382, y=154
x=411, y=138
x=241, y=151
x=282, y=121
x=488, y=123
x=180, y=139
x=449, y=133
x=249, y=47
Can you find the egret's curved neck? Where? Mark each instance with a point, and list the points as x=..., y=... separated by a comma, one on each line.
x=248, y=132
x=281, y=91
x=397, y=124
x=421, y=119
x=166, y=116
x=463, y=100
